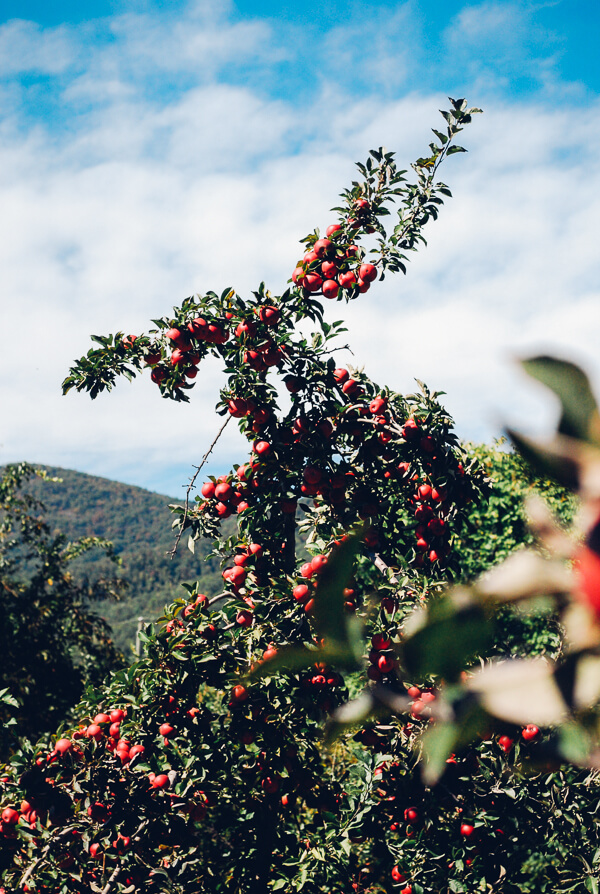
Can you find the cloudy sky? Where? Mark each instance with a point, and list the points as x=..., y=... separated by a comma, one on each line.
x=150, y=150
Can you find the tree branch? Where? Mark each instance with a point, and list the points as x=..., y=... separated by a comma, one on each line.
x=191, y=487
x=385, y=569
x=108, y=886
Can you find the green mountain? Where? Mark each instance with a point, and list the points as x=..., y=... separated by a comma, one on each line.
x=138, y=523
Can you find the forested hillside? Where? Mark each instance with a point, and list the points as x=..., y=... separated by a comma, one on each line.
x=138, y=522
x=139, y=525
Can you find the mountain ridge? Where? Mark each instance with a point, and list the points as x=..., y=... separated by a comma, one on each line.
x=139, y=524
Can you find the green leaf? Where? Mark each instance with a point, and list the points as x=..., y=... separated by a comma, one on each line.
x=438, y=743
x=450, y=637
x=574, y=743
x=329, y=615
x=580, y=418
x=547, y=460
x=454, y=149
x=7, y=699
x=352, y=713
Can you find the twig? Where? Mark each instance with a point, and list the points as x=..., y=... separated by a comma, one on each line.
x=217, y=597
x=339, y=348
x=108, y=886
x=33, y=866
x=191, y=487
x=385, y=569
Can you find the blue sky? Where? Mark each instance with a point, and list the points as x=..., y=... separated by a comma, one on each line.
x=150, y=150
x=563, y=30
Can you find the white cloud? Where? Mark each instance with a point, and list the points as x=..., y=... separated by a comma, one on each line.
x=147, y=200
x=25, y=47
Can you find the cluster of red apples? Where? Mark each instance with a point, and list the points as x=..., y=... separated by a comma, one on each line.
x=333, y=266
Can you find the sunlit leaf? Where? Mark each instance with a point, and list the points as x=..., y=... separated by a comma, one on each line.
x=580, y=418
x=351, y=714
x=525, y=574
x=587, y=681
x=520, y=691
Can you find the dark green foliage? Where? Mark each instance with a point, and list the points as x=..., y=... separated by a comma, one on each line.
x=497, y=525
x=52, y=644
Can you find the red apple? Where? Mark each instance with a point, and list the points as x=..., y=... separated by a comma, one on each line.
x=244, y=618
x=321, y=247
x=174, y=334
x=386, y=664
x=165, y=729
x=152, y=357
x=312, y=475
x=94, y=731
x=306, y=570
x=330, y=288
x=301, y=593
x=246, y=328
x=223, y=491
x=367, y=272
x=380, y=641
x=530, y=732
x=102, y=718
x=318, y=563
x=198, y=328
x=160, y=781
x=10, y=816
x=348, y=279
x=208, y=489
x=312, y=282
x=269, y=315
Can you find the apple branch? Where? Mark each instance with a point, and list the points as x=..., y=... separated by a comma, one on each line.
x=33, y=866
x=113, y=878
x=385, y=569
x=191, y=487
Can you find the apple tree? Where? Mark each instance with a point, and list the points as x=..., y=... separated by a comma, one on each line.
x=202, y=766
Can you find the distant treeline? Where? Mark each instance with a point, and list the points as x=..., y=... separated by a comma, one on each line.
x=138, y=523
